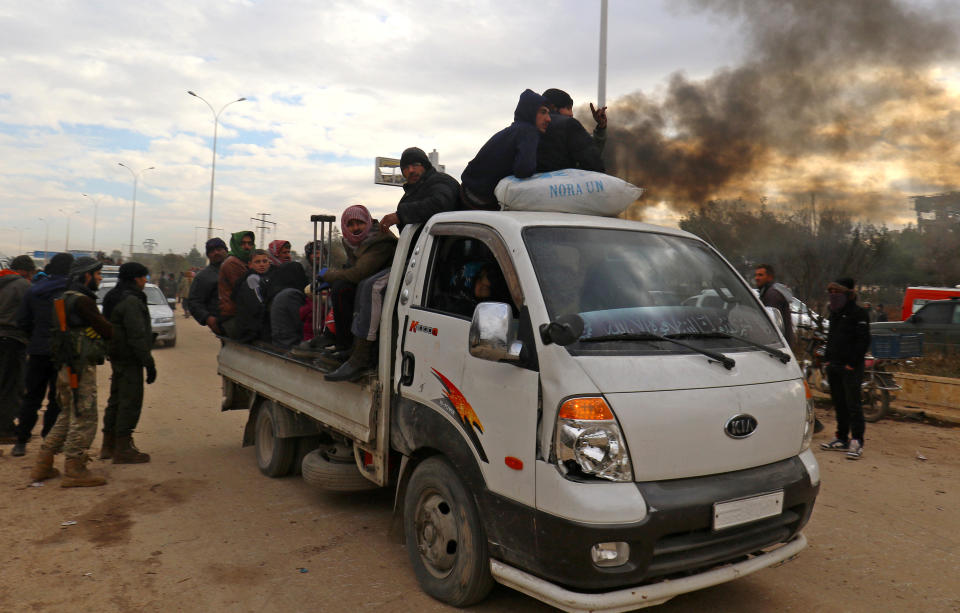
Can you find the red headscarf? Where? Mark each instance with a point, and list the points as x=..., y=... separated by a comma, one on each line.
x=357, y=211
x=273, y=252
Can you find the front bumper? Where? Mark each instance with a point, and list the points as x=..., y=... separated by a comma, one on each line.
x=165, y=332
x=638, y=597
x=674, y=540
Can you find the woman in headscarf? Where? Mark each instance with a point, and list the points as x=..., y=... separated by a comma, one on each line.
x=278, y=252
x=368, y=251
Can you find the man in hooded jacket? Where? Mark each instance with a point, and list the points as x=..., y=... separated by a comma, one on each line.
x=35, y=318
x=232, y=269
x=204, y=298
x=125, y=306
x=511, y=151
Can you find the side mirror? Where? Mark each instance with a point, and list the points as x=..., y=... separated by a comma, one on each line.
x=776, y=316
x=491, y=337
x=565, y=330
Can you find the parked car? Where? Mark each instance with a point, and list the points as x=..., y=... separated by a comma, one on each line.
x=915, y=297
x=162, y=320
x=938, y=321
x=110, y=272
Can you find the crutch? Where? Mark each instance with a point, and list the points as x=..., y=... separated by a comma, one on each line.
x=326, y=249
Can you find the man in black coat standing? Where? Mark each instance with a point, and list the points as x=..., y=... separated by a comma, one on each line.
x=204, y=300
x=847, y=344
x=776, y=295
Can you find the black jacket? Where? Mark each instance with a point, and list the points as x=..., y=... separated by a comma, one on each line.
x=511, y=151
x=435, y=192
x=567, y=144
x=126, y=308
x=204, y=300
x=849, y=336
x=772, y=297
x=36, y=313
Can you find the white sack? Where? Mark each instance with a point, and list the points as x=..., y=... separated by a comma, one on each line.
x=567, y=191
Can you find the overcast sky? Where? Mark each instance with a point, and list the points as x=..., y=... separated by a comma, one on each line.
x=329, y=86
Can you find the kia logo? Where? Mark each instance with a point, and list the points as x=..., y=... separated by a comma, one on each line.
x=741, y=426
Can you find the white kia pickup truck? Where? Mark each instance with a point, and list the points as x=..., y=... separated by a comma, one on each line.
x=611, y=420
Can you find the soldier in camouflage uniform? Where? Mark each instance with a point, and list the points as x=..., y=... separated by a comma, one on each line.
x=76, y=352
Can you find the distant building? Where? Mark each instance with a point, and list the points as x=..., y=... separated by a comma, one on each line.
x=937, y=211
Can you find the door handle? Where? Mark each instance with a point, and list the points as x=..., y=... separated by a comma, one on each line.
x=407, y=367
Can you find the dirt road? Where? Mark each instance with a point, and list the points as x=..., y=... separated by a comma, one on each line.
x=200, y=529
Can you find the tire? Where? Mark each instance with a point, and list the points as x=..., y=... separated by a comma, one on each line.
x=445, y=539
x=876, y=404
x=172, y=342
x=274, y=455
x=334, y=476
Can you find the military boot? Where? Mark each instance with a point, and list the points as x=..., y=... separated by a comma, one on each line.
x=75, y=474
x=360, y=362
x=125, y=452
x=106, y=449
x=44, y=469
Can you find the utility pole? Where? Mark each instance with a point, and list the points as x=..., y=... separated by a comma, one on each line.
x=262, y=225
x=149, y=244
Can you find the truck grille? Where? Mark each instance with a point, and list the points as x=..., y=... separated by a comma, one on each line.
x=687, y=551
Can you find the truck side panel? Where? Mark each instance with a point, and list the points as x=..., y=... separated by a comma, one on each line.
x=345, y=407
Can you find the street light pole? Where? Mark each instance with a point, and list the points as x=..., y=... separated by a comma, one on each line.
x=213, y=162
x=602, y=78
x=133, y=216
x=93, y=242
x=46, y=236
x=66, y=243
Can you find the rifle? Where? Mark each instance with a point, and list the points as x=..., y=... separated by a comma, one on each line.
x=61, y=311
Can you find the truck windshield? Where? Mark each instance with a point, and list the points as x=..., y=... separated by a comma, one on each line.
x=629, y=284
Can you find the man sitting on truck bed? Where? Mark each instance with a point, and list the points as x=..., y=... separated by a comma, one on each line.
x=232, y=269
x=368, y=251
x=511, y=151
x=427, y=191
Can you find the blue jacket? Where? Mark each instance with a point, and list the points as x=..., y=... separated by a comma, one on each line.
x=36, y=312
x=511, y=151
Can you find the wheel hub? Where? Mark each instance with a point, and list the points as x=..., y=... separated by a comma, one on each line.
x=437, y=533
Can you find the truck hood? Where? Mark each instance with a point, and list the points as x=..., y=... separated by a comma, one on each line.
x=674, y=411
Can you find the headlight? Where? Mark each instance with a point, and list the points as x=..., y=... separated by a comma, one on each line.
x=588, y=442
x=163, y=320
x=810, y=419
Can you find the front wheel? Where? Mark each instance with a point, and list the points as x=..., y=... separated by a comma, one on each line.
x=876, y=403
x=445, y=538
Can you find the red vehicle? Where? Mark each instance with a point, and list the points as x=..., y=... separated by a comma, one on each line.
x=916, y=297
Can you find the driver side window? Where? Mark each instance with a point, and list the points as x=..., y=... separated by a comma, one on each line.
x=464, y=274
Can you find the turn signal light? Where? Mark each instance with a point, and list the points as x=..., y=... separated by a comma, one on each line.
x=586, y=409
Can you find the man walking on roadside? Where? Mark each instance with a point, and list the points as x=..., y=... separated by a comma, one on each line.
x=78, y=347
x=847, y=343
x=14, y=284
x=203, y=301
x=125, y=307
x=36, y=319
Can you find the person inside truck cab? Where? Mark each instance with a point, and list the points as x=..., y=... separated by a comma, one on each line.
x=511, y=151
x=474, y=283
x=566, y=143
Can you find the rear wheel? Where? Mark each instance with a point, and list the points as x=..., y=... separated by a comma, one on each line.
x=445, y=538
x=274, y=455
x=876, y=403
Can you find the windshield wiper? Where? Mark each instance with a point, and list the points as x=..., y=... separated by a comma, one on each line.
x=780, y=355
x=727, y=361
